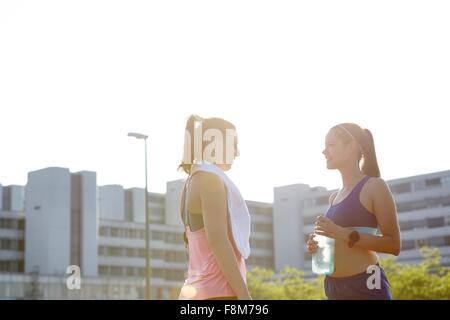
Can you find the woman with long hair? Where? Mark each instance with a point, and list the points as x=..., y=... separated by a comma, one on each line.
x=363, y=201
x=215, y=216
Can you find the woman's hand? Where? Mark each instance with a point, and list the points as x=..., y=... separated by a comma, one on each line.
x=326, y=227
x=311, y=244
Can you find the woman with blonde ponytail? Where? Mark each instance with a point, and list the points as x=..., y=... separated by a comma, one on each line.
x=215, y=215
x=363, y=203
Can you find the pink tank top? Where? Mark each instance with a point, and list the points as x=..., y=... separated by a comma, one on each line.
x=205, y=280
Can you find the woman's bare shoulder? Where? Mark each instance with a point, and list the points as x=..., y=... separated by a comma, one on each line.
x=377, y=186
x=203, y=180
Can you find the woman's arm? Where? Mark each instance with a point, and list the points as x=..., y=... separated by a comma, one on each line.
x=213, y=199
x=386, y=213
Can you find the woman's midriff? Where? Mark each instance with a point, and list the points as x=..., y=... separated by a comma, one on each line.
x=351, y=261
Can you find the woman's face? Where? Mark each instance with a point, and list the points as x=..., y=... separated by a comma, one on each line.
x=336, y=152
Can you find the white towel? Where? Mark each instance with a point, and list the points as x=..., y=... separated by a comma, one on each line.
x=237, y=208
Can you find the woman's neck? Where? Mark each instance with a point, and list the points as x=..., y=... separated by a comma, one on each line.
x=350, y=175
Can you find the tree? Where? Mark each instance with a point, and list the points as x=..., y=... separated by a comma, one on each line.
x=288, y=285
x=425, y=281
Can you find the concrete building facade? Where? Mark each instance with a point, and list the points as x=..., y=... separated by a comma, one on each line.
x=61, y=219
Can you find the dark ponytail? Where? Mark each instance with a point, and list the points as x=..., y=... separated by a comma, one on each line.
x=370, y=162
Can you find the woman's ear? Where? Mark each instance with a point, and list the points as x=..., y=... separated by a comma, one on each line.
x=354, y=146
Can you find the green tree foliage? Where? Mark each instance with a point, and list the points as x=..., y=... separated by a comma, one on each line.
x=427, y=280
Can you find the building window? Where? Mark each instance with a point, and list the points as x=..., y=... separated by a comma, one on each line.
x=10, y=266
x=174, y=275
x=173, y=256
x=424, y=204
x=401, y=188
x=131, y=272
x=116, y=271
x=103, y=270
x=447, y=240
x=6, y=224
x=158, y=254
x=174, y=237
x=158, y=273
x=408, y=244
x=435, y=222
x=20, y=245
x=103, y=231
x=115, y=251
x=433, y=183
x=14, y=245
x=5, y=244
x=415, y=224
x=100, y=250
x=157, y=235
x=114, y=232
x=436, y=242
x=131, y=252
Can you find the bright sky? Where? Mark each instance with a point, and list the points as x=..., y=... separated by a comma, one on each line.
x=77, y=76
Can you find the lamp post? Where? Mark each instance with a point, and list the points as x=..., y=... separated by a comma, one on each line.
x=147, y=220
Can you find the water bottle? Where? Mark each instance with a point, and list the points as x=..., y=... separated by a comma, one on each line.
x=323, y=258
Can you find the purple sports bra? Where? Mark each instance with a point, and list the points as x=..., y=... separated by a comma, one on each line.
x=350, y=212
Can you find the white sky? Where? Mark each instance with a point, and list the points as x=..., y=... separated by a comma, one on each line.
x=77, y=76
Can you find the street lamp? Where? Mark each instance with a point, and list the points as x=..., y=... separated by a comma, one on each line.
x=147, y=221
